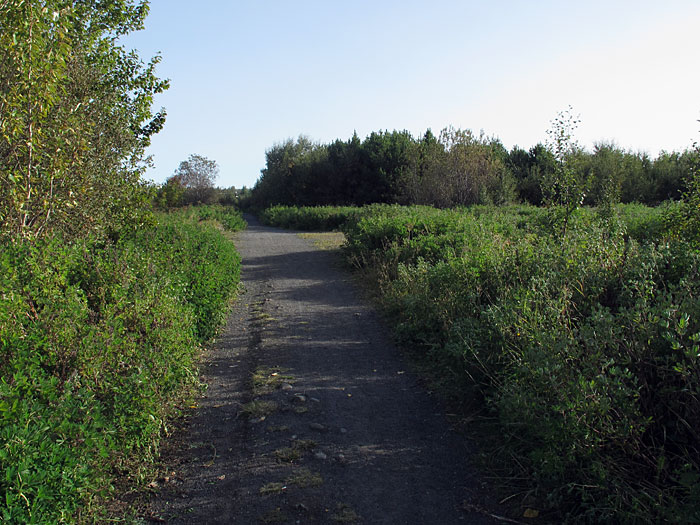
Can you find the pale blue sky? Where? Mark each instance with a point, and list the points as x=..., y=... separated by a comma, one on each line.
x=248, y=74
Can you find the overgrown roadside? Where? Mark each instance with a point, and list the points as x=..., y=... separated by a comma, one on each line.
x=98, y=340
x=310, y=415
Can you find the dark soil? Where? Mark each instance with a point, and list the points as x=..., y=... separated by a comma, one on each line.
x=311, y=415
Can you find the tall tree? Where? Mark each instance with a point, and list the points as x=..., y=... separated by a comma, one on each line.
x=75, y=115
x=278, y=182
x=197, y=176
x=565, y=188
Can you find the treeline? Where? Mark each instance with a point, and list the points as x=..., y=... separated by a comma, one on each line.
x=457, y=167
x=104, y=304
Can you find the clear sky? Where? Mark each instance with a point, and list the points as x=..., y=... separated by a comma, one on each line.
x=246, y=74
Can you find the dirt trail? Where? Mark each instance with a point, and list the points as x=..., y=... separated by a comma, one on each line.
x=311, y=415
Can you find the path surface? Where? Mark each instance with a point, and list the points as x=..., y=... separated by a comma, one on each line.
x=311, y=415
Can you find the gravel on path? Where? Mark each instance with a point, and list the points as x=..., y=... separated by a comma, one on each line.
x=311, y=415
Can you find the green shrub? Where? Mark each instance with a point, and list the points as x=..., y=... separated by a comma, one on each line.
x=585, y=347
x=643, y=223
x=324, y=218
x=97, y=342
x=229, y=217
x=203, y=261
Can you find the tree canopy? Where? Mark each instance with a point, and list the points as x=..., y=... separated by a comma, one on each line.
x=458, y=167
x=197, y=176
x=75, y=115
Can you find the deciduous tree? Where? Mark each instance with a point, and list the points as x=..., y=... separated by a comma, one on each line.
x=75, y=115
x=565, y=188
x=197, y=175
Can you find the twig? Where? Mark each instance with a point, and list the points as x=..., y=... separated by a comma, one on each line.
x=476, y=508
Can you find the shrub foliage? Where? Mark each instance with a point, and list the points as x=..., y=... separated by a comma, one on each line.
x=98, y=340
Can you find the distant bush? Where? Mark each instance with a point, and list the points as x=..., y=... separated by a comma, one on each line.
x=97, y=342
x=644, y=223
x=228, y=216
x=324, y=218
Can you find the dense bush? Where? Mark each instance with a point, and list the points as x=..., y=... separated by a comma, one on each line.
x=97, y=342
x=203, y=259
x=585, y=347
x=324, y=218
x=586, y=351
x=228, y=216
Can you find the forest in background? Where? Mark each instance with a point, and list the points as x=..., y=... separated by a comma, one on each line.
x=458, y=168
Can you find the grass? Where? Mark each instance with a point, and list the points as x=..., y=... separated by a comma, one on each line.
x=325, y=240
x=288, y=454
x=275, y=487
x=295, y=451
x=261, y=317
x=301, y=478
x=259, y=408
x=345, y=514
x=304, y=478
x=268, y=379
x=304, y=444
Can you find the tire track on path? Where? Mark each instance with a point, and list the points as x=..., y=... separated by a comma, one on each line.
x=310, y=415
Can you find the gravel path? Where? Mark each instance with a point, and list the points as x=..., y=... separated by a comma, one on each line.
x=311, y=415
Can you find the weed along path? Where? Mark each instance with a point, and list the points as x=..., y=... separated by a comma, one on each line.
x=310, y=415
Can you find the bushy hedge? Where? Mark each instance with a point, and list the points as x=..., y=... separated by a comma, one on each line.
x=324, y=218
x=98, y=340
x=586, y=347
